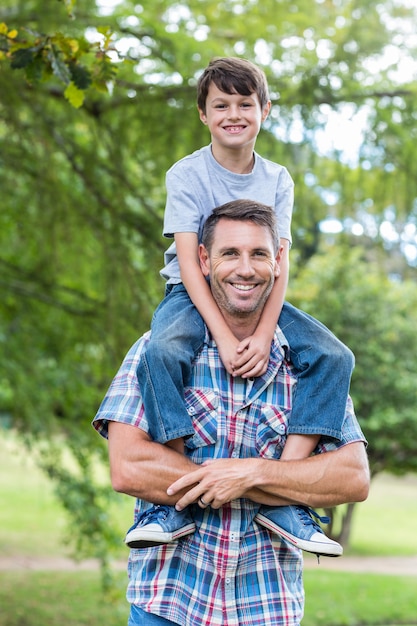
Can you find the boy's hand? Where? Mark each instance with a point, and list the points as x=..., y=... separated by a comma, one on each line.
x=227, y=351
x=252, y=357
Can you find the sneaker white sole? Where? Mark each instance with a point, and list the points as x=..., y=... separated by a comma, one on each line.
x=325, y=548
x=143, y=538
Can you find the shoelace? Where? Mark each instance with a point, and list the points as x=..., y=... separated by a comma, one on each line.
x=306, y=514
x=156, y=513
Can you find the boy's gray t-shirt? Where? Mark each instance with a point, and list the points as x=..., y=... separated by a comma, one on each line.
x=197, y=184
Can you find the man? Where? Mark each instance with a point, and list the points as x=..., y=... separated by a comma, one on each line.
x=231, y=571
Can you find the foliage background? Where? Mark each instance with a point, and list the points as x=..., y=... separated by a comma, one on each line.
x=97, y=101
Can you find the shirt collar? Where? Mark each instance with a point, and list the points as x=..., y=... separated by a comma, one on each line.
x=279, y=349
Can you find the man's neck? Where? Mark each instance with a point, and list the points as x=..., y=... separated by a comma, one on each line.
x=241, y=327
x=238, y=161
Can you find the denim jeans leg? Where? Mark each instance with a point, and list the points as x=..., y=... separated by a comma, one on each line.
x=164, y=369
x=138, y=617
x=324, y=368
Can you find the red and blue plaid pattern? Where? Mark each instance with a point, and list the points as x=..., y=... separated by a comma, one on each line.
x=231, y=572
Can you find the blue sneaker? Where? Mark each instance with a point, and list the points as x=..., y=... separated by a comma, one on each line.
x=158, y=525
x=295, y=524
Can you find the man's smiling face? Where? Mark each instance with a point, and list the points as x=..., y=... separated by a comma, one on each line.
x=242, y=265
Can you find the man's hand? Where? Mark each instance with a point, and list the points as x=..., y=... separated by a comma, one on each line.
x=322, y=480
x=216, y=482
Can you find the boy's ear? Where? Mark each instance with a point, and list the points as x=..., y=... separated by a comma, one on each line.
x=202, y=115
x=203, y=256
x=266, y=110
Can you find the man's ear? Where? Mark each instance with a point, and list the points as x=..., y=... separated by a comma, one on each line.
x=277, y=270
x=203, y=256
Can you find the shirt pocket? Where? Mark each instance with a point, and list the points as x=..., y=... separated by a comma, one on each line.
x=202, y=405
x=271, y=432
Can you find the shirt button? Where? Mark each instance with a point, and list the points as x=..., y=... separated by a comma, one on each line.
x=235, y=454
x=191, y=410
x=281, y=429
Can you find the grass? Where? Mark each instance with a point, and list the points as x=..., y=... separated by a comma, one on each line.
x=336, y=599
x=32, y=520
x=385, y=524
x=57, y=598
x=350, y=599
x=33, y=524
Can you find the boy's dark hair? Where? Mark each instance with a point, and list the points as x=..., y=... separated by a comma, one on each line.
x=241, y=211
x=232, y=75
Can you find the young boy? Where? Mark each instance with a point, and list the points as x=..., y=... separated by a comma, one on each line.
x=233, y=102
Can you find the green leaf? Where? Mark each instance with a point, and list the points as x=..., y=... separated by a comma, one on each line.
x=74, y=95
x=59, y=67
x=81, y=77
x=22, y=58
x=69, y=5
x=35, y=70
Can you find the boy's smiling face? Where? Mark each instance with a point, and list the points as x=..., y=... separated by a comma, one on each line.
x=234, y=120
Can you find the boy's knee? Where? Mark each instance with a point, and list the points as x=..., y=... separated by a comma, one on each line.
x=167, y=351
x=341, y=356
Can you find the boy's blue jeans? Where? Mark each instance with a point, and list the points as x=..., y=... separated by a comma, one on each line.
x=138, y=617
x=323, y=365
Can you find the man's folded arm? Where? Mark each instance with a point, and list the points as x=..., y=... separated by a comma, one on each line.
x=141, y=467
x=324, y=480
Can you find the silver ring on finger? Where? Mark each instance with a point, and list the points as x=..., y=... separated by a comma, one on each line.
x=202, y=503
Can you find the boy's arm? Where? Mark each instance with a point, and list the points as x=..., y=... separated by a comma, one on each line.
x=200, y=294
x=255, y=350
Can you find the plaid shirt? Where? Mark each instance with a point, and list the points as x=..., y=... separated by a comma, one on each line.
x=232, y=571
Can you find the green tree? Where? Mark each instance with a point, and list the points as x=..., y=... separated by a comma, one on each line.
x=376, y=317
x=94, y=108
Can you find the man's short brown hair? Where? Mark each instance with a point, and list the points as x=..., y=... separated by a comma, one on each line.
x=241, y=211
